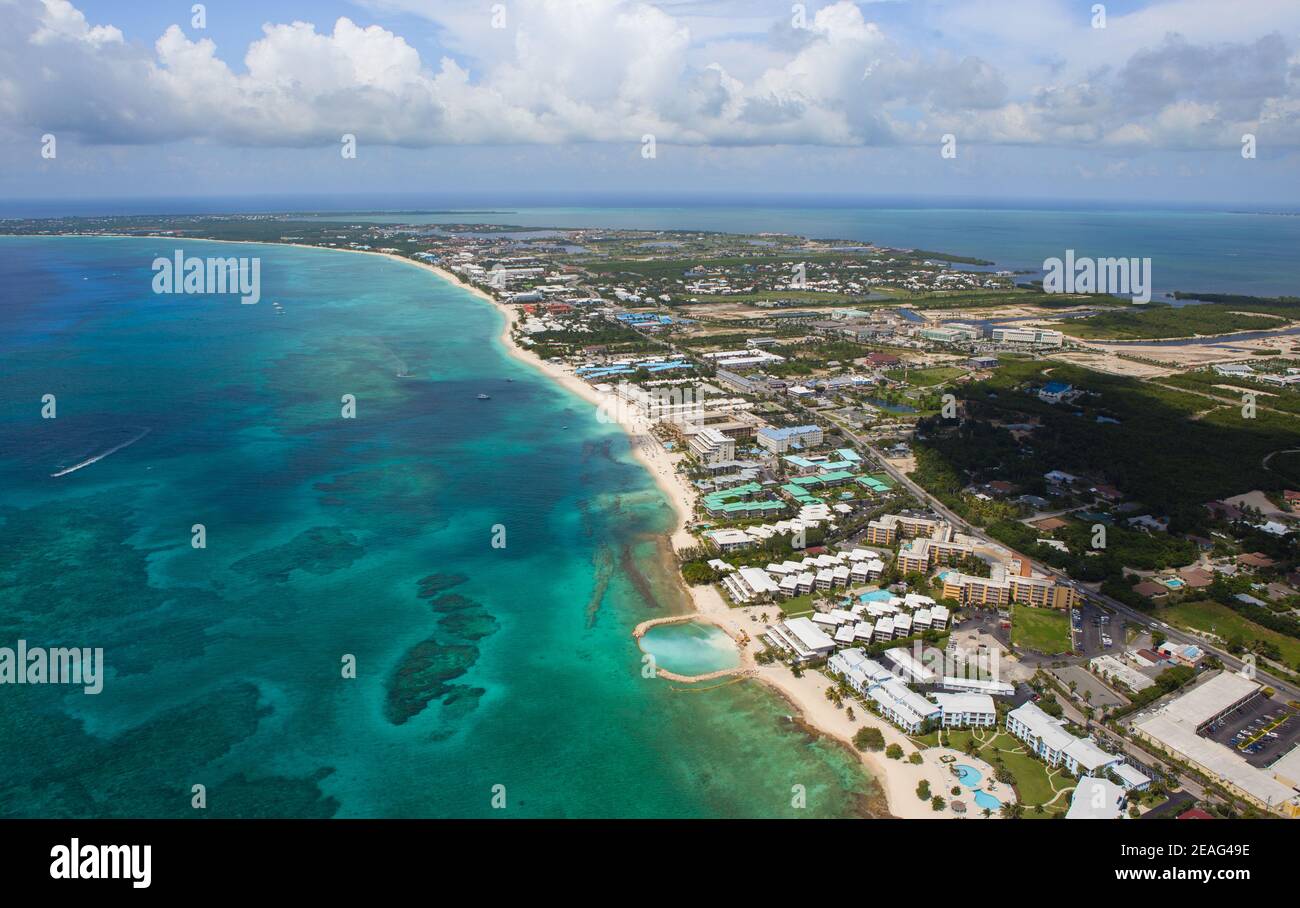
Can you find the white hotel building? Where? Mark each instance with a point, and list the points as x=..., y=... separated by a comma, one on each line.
x=961, y=710
x=1054, y=745
x=903, y=706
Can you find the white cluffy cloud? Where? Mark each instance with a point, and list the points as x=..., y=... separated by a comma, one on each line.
x=613, y=70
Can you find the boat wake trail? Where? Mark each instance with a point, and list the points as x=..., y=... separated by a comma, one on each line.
x=98, y=457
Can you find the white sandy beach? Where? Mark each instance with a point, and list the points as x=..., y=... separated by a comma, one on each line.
x=898, y=779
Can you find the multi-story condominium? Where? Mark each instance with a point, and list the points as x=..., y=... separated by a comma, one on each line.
x=881, y=533
x=891, y=527
x=1005, y=587
x=731, y=540
x=711, y=446
x=904, y=707
x=1043, y=592
x=864, y=571
x=801, y=637
x=962, y=710
x=1054, y=745
x=861, y=673
x=780, y=440
x=914, y=556
x=971, y=590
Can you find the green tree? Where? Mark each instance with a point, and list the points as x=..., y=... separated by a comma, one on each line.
x=869, y=738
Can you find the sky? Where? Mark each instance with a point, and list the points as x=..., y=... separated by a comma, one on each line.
x=1010, y=100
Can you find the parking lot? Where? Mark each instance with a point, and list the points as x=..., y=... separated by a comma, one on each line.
x=1261, y=731
x=1092, y=627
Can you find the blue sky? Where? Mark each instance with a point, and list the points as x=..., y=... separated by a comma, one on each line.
x=741, y=97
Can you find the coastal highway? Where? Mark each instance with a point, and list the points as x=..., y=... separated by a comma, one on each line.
x=1288, y=690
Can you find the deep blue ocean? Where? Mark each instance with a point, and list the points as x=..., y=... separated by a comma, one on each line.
x=329, y=538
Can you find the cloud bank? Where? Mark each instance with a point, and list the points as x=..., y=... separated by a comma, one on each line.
x=569, y=71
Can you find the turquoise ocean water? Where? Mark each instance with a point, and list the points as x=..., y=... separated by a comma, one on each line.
x=326, y=537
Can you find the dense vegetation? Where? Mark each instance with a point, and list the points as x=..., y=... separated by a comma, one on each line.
x=1168, y=449
x=1158, y=320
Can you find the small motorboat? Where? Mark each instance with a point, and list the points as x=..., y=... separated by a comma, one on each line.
x=485, y=397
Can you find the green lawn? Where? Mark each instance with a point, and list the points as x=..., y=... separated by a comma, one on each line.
x=797, y=605
x=1035, y=782
x=1210, y=616
x=1041, y=630
x=922, y=377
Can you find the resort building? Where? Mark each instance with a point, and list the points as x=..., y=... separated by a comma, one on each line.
x=1131, y=778
x=731, y=540
x=909, y=666
x=740, y=502
x=1004, y=586
x=801, y=637
x=891, y=527
x=1096, y=799
x=860, y=672
x=903, y=706
x=710, y=446
x=1047, y=737
x=977, y=686
x=781, y=440
x=743, y=359
x=963, y=710
x=866, y=571
x=750, y=583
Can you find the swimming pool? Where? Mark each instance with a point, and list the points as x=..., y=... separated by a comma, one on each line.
x=876, y=596
x=970, y=777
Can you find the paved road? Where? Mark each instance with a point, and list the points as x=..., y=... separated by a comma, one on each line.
x=1173, y=634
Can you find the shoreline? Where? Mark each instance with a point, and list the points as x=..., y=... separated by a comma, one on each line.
x=896, y=779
